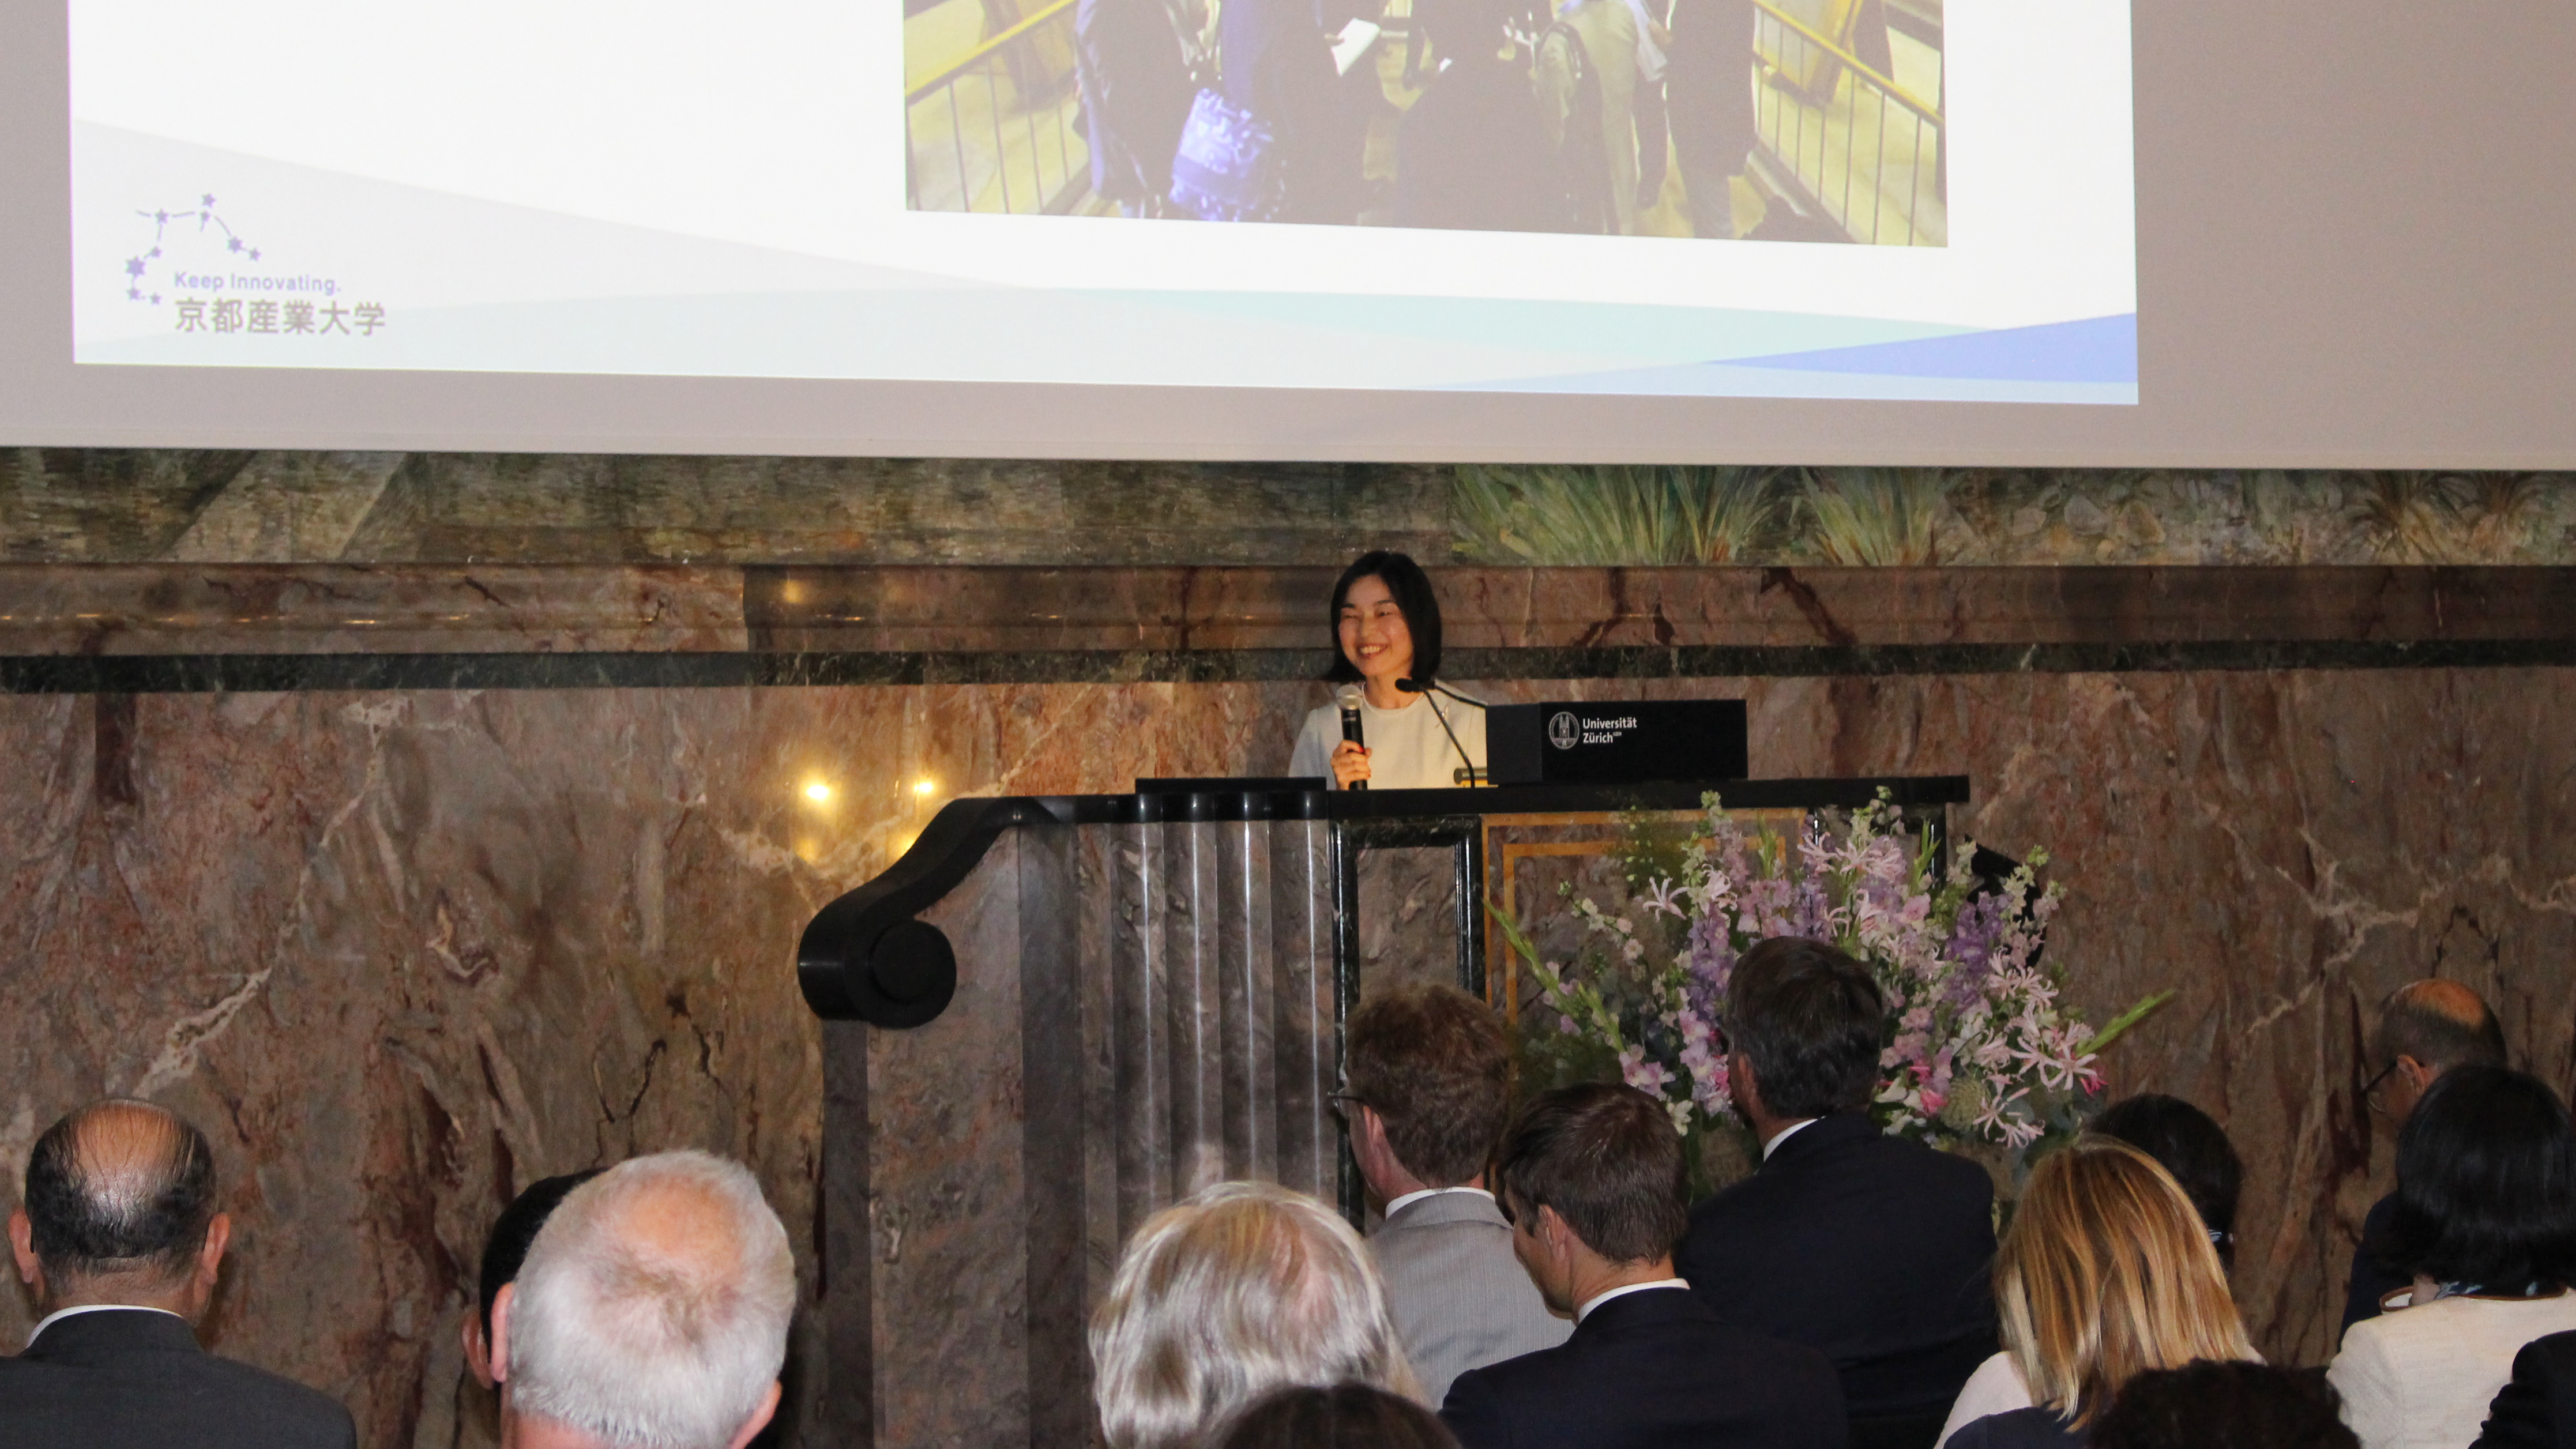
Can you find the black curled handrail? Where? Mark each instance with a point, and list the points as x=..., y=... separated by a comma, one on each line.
x=865, y=958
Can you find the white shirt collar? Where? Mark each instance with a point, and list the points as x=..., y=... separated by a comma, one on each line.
x=1783, y=1135
x=59, y=1314
x=1597, y=1299
x=1407, y=1200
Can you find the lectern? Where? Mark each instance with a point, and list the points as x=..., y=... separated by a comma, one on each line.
x=1054, y=1016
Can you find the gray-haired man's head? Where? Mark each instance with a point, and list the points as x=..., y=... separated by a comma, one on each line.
x=120, y=1209
x=651, y=1313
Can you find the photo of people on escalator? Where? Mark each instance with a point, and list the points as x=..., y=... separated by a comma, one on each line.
x=1771, y=120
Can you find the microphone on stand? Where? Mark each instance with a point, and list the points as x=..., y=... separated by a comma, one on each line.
x=1468, y=773
x=1432, y=686
x=1349, y=697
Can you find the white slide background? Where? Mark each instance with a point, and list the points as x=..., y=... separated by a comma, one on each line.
x=758, y=150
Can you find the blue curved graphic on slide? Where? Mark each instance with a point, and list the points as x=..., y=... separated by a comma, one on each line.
x=2097, y=349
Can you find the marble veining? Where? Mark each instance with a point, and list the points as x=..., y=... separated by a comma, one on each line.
x=402, y=950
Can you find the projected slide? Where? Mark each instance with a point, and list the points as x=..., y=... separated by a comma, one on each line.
x=1867, y=199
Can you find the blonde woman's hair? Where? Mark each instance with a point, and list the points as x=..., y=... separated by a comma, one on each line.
x=1244, y=1288
x=2105, y=1274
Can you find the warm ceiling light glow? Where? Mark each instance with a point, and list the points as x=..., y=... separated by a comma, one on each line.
x=818, y=792
x=924, y=787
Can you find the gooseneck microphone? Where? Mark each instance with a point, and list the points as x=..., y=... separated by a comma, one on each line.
x=1433, y=686
x=1468, y=771
x=1349, y=697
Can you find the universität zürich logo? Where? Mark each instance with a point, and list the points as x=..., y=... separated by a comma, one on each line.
x=1561, y=731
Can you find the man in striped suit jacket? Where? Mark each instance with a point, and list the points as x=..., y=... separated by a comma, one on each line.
x=1427, y=1100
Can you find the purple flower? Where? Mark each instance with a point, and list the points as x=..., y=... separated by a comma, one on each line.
x=1973, y=938
x=1710, y=957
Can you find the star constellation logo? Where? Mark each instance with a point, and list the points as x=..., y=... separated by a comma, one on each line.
x=215, y=281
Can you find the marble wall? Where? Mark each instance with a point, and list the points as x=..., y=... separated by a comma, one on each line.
x=524, y=903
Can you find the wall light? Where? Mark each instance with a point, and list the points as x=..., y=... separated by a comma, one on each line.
x=924, y=787
x=818, y=792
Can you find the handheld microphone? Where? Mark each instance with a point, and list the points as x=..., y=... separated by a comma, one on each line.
x=1349, y=697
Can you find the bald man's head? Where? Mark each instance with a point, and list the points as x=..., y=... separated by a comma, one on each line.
x=119, y=1189
x=652, y=1310
x=2440, y=1024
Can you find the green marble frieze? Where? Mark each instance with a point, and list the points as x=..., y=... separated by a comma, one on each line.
x=106, y=505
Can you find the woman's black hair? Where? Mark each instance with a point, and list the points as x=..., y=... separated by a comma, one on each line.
x=2193, y=1148
x=1411, y=589
x=2207, y=1404
x=1346, y=1416
x=2486, y=1183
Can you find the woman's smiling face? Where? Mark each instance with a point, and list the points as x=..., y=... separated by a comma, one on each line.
x=1373, y=633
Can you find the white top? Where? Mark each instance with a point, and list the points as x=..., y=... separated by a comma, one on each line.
x=1783, y=1135
x=2422, y=1377
x=1407, y=750
x=1995, y=1388
x=59, y=1314
x=1597, y=1299
x=1407, y=1199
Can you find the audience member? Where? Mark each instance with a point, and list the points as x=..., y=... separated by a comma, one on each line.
x=2189, y=1147
x=120, y=1239
x=2106, y=1273
x=2425, y=1028
x=1591, y=1178
x=2186, y=1143
x=2213, y=1405
x=651, y=1312
x=1871, y=1249
x=1240, y=1289
x=503, y=1252
x=1429, y=1091
x=1348, y=1416
x=2485, y=1222
x=2536, y=1409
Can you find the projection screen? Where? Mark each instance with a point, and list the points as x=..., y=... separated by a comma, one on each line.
x=1907, y=231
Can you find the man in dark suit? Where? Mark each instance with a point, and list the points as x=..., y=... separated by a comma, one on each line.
x=2425, y=1028
x=1592, y=1179
x=121, y=1242
x=2536, y=1409
x=1873, y=1250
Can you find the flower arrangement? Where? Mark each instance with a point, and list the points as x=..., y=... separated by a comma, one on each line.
x=1981, y=1054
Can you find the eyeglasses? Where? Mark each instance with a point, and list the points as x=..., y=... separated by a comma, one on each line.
x=2370, y=1089
x=1344, y=1101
